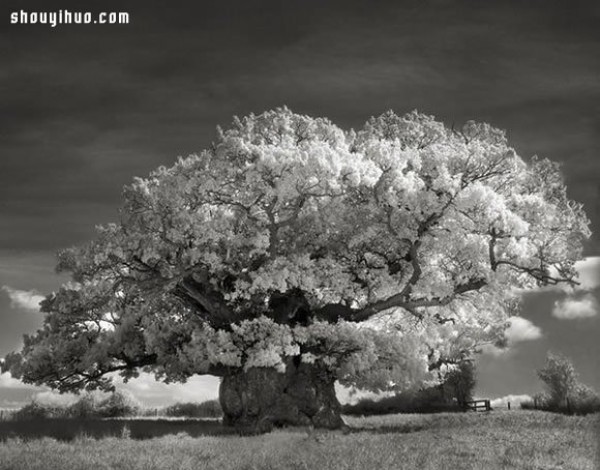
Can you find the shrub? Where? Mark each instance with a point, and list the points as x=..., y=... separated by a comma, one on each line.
x=84, y=408
x=118, y=405
x=565, y=394
x=584, y=400
x=560, y=378
x=456, y=388
x=36, y=410
x=31, y=411
x=207, y=409
x=540, y=401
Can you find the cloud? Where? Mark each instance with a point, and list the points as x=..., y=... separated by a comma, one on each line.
x=491, y=350
x=579, y=302
x=588, y=270
x=8, y=381
x=571, y=308
x=521, y=329
x=352, y=395
x=25, y=299
x=145, y=389
x=10, y=405
x=515, y=401
x=589, y=273
x=153, y=393
x=54, y=398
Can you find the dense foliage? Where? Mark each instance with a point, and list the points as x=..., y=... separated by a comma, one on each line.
x=564, y=392
x=115, y=405
x=457, y=386
x=381, y=255
x=205, y=409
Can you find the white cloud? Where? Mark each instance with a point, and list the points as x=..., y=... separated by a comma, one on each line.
x=579, y=301
x=521, y=329
x=351, y=395
x=495, y=351
x=25, y=299
x=153, y=393
x=145, y=388
x=515, y=401
x=589, y=272
x=571, y=307
x=54, y=398
x=7, y=381
x=11, y=405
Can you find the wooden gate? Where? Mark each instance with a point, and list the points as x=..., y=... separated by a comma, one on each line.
x=477, y=405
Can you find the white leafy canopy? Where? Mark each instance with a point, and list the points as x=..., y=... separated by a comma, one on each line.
x=381, y=253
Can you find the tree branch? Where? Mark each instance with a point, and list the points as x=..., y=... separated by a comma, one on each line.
x=209, y=302
x=539, y=274
x=399, y=301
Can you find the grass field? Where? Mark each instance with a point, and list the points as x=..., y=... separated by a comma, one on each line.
x=524, y=440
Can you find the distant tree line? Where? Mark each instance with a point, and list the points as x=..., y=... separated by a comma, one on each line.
x=205, y=409
x=116, y=405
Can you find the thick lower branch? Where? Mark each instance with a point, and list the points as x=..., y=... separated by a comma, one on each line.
x=211, y=306
x=334, y=312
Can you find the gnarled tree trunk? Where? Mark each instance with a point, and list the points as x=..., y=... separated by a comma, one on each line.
x=260, y=398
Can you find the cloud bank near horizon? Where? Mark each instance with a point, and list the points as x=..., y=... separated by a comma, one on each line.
x=514, y=400
x=23, y=299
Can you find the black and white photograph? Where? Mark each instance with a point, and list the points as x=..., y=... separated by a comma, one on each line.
x=300, y=234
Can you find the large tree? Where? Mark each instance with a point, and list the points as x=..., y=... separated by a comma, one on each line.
x=292, y=254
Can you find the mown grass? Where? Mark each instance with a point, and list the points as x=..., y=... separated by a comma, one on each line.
x=524, y=440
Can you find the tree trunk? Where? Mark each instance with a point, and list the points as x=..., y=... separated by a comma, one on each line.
x=254, y=401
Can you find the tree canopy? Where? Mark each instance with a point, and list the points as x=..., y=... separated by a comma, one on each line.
x=560, y=378
x=382, y=254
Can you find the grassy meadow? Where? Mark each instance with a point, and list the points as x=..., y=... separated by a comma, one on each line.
x=524, y=440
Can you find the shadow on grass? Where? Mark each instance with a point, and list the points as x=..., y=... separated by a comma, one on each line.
x=69, y=429
x=388, y=429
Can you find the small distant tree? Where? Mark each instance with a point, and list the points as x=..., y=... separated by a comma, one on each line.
x=206, y=409
x=32, y=411
x=564, y=392
x=539, y=401
x=119, y=404
x=586, y=400
x=560, y=378
x=84, y=408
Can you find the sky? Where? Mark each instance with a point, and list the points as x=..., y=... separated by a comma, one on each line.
x=85, y=108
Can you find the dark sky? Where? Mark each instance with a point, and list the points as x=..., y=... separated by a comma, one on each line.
x=87, y=107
